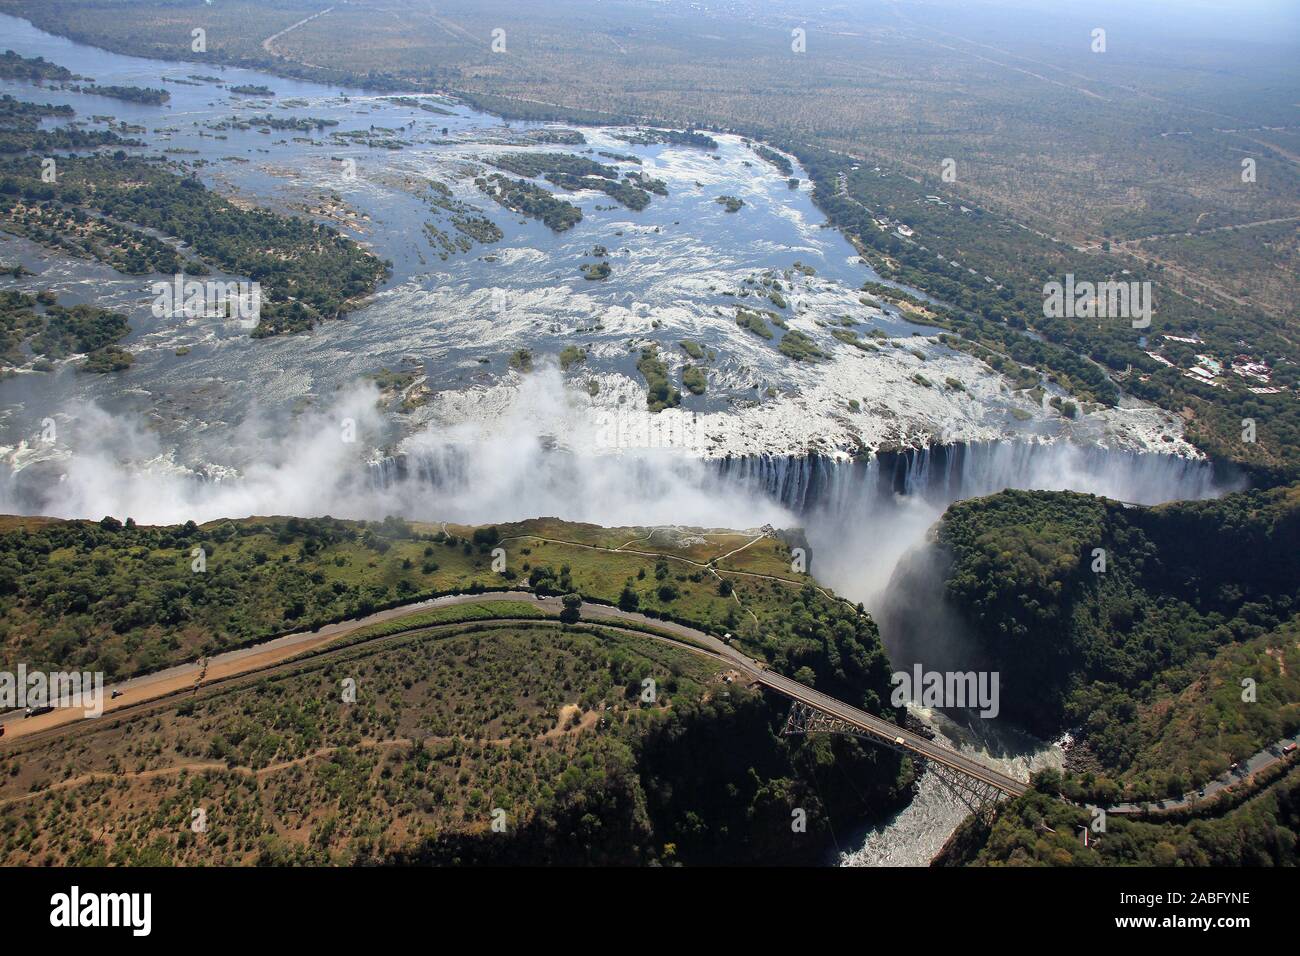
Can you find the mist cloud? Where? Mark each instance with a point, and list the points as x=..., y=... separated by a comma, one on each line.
x=498, y=455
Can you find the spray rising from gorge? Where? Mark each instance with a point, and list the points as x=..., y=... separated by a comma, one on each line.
x=860, y=516
x=865, y=521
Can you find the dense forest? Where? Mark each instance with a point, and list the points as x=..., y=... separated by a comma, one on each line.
x=577, y=172
x=1135, y=626
x=1039, y=829
x=15, y=66
x=660, y=392
x=126, y=599
x=698, y=774
x=20, y=129
x=672, y=137
x=529, y=199
x=533, y=165
x=36, y=329
x=308, y=272
x=130, y=94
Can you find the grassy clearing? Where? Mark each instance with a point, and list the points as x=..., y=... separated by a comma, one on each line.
x=125, y=599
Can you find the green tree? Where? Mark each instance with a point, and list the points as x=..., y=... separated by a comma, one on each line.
x=572, y=608
x=629, y=600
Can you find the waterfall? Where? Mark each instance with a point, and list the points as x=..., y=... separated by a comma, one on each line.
x=943, y=474
x=861, y=516
x=819, y=485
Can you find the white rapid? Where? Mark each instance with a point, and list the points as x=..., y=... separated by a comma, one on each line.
x=913, y=835
x=862, y=517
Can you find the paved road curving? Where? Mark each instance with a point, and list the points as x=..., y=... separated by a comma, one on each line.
x=260, y=656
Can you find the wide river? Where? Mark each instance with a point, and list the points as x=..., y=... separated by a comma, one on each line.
x=209, y=422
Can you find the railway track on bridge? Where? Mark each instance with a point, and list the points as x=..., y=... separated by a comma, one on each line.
x=821, y=712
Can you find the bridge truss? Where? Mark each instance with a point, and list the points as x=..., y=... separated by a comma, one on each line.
x=978, y=797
